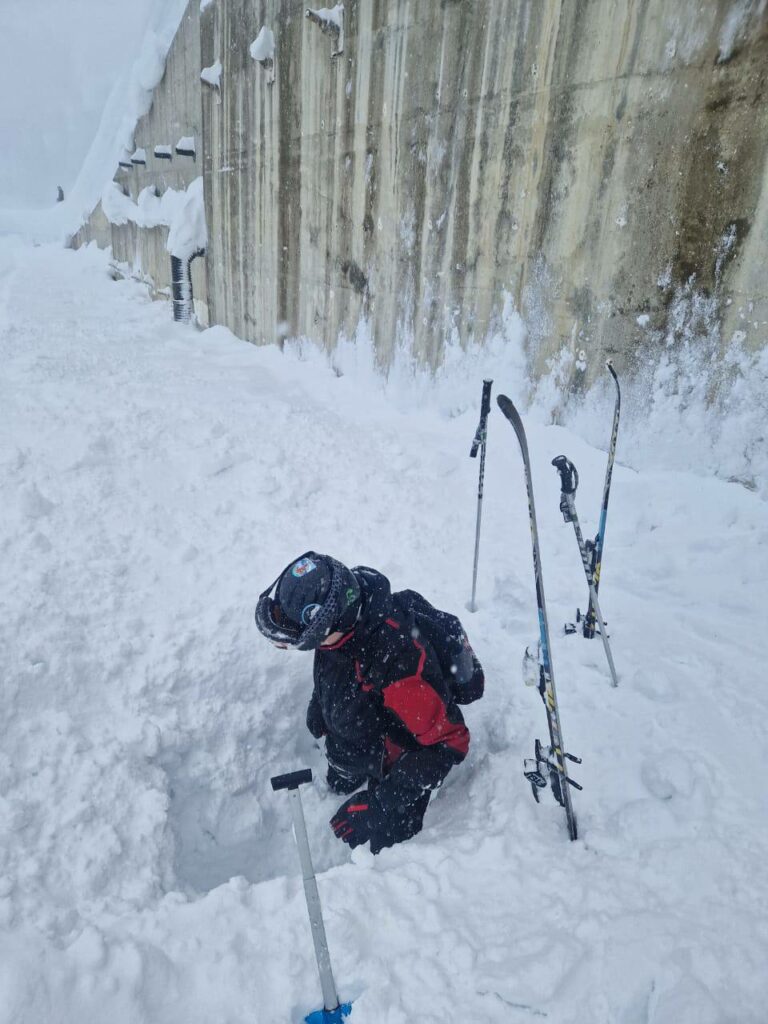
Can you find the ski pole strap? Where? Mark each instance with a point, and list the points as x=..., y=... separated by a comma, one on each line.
x=485, y=408
x=569, y=477
x=292, y=780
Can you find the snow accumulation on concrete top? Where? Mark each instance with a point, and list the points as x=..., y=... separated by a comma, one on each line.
x=188, y=233
x=334, y=15
x=212, y=74
x=263, y=46
x=182, y=212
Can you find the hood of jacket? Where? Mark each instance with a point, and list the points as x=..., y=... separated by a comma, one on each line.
x=377, y=600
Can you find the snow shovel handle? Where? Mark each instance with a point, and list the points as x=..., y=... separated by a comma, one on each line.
x=291, y=782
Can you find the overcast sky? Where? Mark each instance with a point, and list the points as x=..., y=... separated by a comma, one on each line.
x=58, y=62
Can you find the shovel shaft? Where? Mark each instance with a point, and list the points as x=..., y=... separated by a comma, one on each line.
x=330, y=998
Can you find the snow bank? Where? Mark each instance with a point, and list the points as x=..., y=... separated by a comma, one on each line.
x=146, y=869
x=669, y=417
x=153, y=479
x=695, y=404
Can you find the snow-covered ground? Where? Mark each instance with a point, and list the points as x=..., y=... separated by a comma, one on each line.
x=153, y=480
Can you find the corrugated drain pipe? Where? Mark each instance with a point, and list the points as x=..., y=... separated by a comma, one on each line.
x=181, y=287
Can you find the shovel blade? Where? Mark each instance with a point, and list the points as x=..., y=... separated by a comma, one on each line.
x=329, y=1016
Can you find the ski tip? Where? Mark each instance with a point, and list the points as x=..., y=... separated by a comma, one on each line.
x=507, y=407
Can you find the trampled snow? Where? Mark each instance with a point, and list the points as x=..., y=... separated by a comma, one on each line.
x=154, y=479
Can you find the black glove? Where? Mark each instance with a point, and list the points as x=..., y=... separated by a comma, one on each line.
x=363, y=818
x=354, y=819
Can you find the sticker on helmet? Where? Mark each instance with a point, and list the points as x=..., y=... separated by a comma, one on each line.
x=308, y=613
x=302, y=567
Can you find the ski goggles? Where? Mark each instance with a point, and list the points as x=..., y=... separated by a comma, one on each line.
x=273, y=623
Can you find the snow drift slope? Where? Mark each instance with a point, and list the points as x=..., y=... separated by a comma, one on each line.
x=153, y=479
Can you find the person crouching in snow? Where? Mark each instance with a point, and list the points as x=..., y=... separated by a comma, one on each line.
x=389, y=673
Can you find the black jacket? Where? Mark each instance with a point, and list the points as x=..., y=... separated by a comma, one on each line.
x=382, y=701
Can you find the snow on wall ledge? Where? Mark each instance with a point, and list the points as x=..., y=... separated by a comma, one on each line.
x=182, y=212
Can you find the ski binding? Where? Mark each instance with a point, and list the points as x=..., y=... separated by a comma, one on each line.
x=542, y=766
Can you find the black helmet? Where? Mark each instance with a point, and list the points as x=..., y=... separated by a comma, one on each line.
x=314, y=596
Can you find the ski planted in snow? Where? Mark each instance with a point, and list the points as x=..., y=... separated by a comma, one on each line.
x=548, y=763
x=569, y=481
x=595, y=547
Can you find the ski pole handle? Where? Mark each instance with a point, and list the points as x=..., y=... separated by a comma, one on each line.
x=569, y=477
x=485, y=408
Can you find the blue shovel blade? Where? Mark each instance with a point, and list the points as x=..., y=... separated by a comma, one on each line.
x=329, y=1016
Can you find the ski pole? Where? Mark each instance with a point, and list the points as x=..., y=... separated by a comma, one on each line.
x=333, y=1012
x=569, y=481
x=481, y=435
x=596, y=547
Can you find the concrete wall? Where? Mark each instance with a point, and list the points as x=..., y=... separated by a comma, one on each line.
x=574, y=153
x=597, y=160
